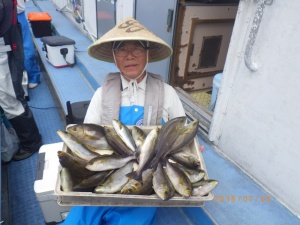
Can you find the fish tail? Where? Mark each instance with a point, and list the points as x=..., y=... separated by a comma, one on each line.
x=136, y=154
x=154, y=163
x=134, y=175
x=163, y=161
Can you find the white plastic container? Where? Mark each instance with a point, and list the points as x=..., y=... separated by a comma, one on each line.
x=45, y=182
x=59, y=50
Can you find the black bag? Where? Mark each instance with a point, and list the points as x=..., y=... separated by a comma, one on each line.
x=8, y=138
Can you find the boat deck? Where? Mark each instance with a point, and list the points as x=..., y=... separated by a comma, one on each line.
x=238, y=199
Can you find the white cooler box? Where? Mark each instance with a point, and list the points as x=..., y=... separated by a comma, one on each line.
x=44, y=185
x=59, y=50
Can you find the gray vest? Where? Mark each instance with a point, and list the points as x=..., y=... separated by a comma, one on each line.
x=154, y=99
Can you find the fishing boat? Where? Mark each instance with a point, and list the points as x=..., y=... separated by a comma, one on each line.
x=235, y=68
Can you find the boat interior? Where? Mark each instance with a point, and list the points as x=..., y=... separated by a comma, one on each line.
x=238, y=199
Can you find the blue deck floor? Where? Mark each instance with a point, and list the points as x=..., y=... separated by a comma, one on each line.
x=238, y=199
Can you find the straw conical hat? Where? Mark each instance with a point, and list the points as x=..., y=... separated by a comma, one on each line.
x=128, y=30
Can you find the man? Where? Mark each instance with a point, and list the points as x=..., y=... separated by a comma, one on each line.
x=30, y=63
x=12, y=98
x=135, y=97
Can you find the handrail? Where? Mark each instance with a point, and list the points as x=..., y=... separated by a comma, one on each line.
x=250, y=63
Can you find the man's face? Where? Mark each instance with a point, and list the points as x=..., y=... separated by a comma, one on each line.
x=131, y=59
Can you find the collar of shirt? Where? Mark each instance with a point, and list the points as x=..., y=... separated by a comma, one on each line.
x=141, y=85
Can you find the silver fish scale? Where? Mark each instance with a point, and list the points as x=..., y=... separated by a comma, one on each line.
x=180, y=181
x=124, y=133
x=161, y=184
x=66, y=180
x=116, y=181
x=139, y=187
x=147, y=150
x=77, y=148
x=138, y=136
x=108, y=162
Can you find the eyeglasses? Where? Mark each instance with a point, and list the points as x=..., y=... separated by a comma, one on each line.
x=122, y=52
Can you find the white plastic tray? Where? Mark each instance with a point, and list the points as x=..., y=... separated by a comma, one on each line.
x=92, y=199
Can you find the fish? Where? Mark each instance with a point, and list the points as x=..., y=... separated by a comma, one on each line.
x=186, y=158
x=102, y=151
x=169, y=132
x=144, y=187
x=76, y=168
x=194, y=175
x=146, y=154
x=138, y=136
x=91, y=135
x=66, y=181
x=203, y=187
x=186, y=135
x=161, y=184
x=116, y=142
x=179, y=180
x=124, y=133
x=167, y=135
x=92, y=181
x=116, y=181
x=75, y=146
x=108, y=162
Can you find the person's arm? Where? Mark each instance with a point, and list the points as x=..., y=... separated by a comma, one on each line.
x=93, y=114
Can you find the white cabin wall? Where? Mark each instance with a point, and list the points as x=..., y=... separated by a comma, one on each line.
x=125, y=8
x=257, y=117
x=90, y=16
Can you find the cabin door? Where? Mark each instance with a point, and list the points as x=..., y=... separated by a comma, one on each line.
x=163, y=11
